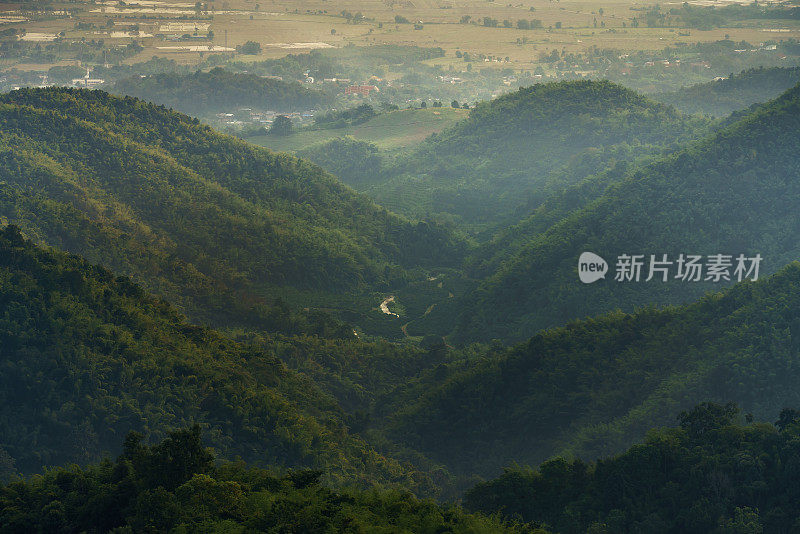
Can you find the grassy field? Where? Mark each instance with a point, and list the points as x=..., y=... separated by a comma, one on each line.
x=393, y=131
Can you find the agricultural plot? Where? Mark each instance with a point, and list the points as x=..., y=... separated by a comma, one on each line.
x=396, y=130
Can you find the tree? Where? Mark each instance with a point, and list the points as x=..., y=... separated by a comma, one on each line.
x=707, y=416
x=787, y=418
x=282, y=125
x=455, y=104
x=250, y=48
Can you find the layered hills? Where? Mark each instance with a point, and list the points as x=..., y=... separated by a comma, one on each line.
x=732, y=193
x=208, y=221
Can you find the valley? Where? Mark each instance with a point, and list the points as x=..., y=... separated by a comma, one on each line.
x=402, y=267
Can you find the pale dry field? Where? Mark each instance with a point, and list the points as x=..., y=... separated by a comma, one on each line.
x=291, y=26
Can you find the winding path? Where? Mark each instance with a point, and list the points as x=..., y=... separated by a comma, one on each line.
x=385, y=306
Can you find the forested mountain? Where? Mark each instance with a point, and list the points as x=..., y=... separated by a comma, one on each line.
x=203, y=219
x=219, y=90
x=594, y=386
x=87, y=357
x=733, y=193
x=713, y=474
x=737, y=92
x=502, y=157
x=175, y=486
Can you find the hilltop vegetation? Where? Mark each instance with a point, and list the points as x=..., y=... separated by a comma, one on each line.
x=732, y=193
x=593, y=387
x=712, y=474
x=175, y=486
x=734, y=93
x=218, y=90
x=207, y=221
x=482, y=169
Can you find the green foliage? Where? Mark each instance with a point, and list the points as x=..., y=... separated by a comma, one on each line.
x=217, y=90
x=207, y=221
x=481, y=170
x=729, y=194
x=737, y=92
x=65, y=73
x=282, y=125
x=594, y=386
x=87, y=356
x=356, y=162
x=251, y=48
x=345, y=117
x=730, y=478
x=174, y=486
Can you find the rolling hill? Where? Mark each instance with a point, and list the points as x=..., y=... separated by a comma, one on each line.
x=593, y=387
x=733, y=193
x=736, y=92
x=205, y=93
x=208, y=221
x=483, y=169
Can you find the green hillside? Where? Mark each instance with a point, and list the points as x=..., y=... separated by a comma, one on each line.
x=736, y=92
x=733, y=193
x=593, y=387
x=484, y=168
x=214, y=224
x=715, y=473
x=87, y=357
x=207, y=92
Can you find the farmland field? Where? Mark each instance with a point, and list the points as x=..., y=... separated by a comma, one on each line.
x=283, y=27
x=396, y=130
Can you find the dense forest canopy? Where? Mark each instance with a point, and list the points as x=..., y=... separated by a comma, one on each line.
x=736, y=92
x=210, y=336
x=88, y=356
x=203, y=219
x=594, y=386
x=219, y=90
x=480, y=171
x=733, y=193
x=714, y=473
x=176, y=486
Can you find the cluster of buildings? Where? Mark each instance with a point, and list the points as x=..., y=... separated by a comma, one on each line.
x=363, y=90
x=249, y=116
x=359, y=89
x=87, y=81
